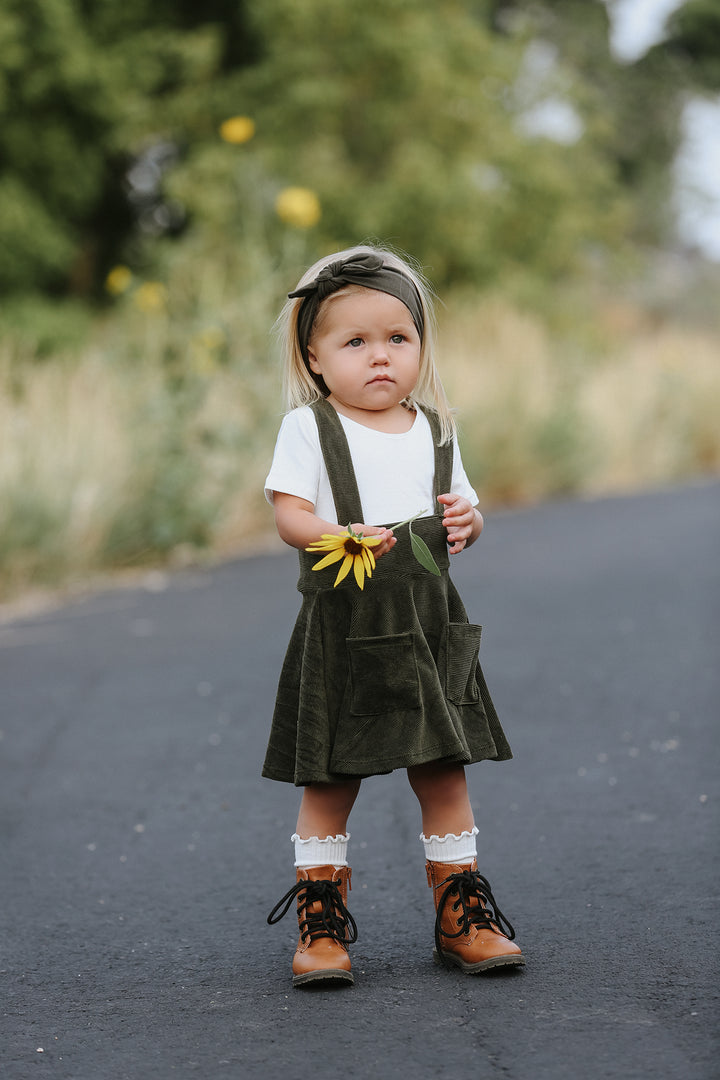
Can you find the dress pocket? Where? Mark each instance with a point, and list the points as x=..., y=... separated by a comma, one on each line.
x=383, y=674
x=461, y=663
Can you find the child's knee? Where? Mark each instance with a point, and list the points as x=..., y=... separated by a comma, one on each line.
x=335, y=797
x=437, y=779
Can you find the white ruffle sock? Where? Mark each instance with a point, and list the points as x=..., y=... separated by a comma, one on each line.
x=313, y=851
x=451, y=848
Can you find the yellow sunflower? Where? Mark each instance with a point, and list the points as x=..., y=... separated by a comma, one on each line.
x=298, y=207
x=237, y=129
x=353, y=548
x=118, y=280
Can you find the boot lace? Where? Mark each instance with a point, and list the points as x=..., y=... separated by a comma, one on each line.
x=464, y=887
x=333, y=920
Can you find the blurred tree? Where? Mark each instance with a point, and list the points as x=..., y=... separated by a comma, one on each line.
x=86, y=86
x=422, y=123
x=693, y=39
x=632, y=111
x=403, y=117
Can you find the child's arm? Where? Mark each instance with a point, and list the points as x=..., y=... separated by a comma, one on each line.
x=298, y=524
x=463, y=522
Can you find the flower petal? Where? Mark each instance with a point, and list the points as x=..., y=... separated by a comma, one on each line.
x=366, y=559
x=344, y=569
x=328, y=543
x=333, y=557
x=359, y=570
x=373, y=541
x=371, y=557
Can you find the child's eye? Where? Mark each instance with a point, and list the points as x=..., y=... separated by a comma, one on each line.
x=397, y=339
x=355, y=342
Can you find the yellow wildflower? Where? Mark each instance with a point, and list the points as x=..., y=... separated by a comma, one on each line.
x=299, y=207
x=151, y=296
x=353, y=548
x=237, y=129
x=118, y=280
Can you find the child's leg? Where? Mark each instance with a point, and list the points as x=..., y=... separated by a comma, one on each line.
x=323, y=880
x=320, y=838
x=470, y=930
x=443, y=796
x=325, y=808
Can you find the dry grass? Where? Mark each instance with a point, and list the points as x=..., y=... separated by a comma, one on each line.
x=152, y=442
x=630, y=405
x=107, y=465
x=64, y=456
x=655, y=409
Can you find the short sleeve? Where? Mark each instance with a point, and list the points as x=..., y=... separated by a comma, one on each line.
x=460, y=483
x=297, y=460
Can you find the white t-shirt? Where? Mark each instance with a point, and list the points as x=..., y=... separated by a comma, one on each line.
x=394, y=473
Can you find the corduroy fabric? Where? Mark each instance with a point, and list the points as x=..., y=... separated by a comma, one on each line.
x=386, y=677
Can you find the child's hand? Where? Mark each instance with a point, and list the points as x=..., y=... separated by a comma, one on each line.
x=462, y=521
x=388, y=540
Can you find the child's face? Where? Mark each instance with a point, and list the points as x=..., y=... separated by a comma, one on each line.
x=367, y=349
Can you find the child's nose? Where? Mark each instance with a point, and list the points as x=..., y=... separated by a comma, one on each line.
x=380, y=354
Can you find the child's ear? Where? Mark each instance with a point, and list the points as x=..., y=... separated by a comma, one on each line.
x=313, y=362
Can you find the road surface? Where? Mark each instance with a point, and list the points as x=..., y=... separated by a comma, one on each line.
x=141, y=850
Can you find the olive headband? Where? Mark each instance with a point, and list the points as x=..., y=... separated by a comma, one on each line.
x=367, y=270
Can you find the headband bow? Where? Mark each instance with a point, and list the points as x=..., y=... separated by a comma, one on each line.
x=367, y=270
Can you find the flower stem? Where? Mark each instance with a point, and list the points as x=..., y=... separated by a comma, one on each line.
x=409, y=520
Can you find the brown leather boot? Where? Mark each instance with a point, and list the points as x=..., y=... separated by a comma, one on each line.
x=470, y=930
x=326, y=925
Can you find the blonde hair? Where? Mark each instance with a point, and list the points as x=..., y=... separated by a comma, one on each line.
x=299, y=386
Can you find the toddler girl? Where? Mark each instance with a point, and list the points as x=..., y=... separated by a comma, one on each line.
x=382, y=668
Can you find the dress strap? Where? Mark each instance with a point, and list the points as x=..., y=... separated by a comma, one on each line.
x=443, y=461
x=338, y=462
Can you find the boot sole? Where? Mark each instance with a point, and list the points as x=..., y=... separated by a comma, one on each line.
x=333, y=975
x=450, y=960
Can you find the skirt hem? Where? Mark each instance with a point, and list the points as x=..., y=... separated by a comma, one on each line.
x=289, y=776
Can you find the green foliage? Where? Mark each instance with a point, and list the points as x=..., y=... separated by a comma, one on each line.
x=165, y=505
x=693, y=39
x=42, y=326
x=33, y=545
x=51, y=139
x=83, y=89
x=404, y=118
x=407, y=118
x=564, y=451
x=631, y=112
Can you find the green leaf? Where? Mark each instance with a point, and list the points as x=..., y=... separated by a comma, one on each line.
x=422, y=553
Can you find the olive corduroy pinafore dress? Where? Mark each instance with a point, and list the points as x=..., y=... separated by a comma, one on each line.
x=386, y=677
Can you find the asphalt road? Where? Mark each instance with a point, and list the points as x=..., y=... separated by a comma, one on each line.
x=141, y=851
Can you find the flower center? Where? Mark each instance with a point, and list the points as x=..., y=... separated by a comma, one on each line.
x=353, y=547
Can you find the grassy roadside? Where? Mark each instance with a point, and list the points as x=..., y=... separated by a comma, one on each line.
x=628, y=403
x=146, y=443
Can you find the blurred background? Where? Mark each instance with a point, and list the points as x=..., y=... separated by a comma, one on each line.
x=168, y=169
